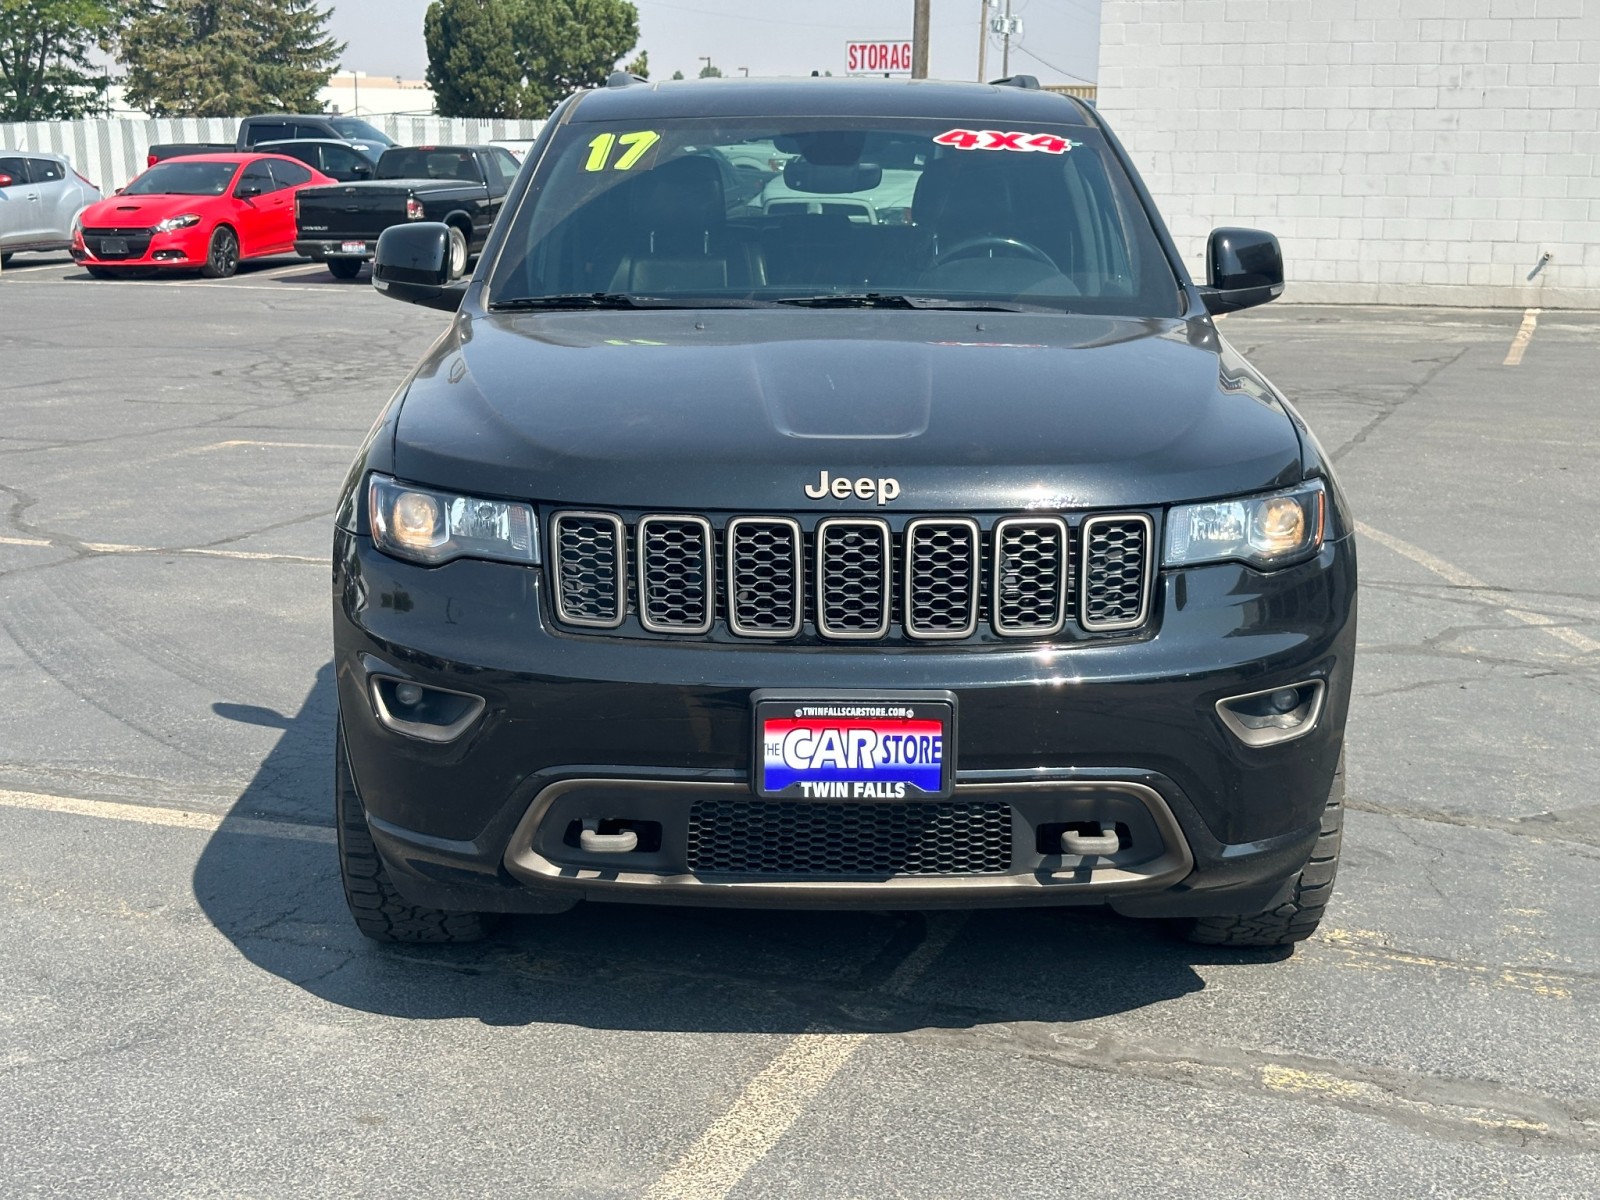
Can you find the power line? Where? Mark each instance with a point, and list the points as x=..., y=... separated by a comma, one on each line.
x=1020, y=48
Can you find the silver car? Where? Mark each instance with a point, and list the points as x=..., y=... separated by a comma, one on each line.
x=40, y=194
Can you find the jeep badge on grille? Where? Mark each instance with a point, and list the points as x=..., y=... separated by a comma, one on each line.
x=865, y=488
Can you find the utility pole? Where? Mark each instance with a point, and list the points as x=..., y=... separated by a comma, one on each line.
x=983, y=39
x=919, y=40
x=1005, y=55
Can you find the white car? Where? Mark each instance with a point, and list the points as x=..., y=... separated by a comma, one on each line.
x=40, y=194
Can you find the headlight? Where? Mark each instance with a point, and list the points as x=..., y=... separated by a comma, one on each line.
x=1264, y=531
x=434, y=527
x=172, y=223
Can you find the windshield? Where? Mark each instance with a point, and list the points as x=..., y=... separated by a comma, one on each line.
x=800, y=210
x=183, y=179
x=428, y=162
x=350, y=127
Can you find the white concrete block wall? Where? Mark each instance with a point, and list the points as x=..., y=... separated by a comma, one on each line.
x=1404, y=151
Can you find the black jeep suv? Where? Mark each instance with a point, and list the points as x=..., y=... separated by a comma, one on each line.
x=838, y=493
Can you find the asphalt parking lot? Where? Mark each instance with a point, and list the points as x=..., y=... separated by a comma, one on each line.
x=186, y=1009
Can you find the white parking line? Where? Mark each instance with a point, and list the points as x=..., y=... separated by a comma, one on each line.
x=1519, y=343
x=173, y=818
x=1455, y=575
x=194, y=551
x=774, y=1100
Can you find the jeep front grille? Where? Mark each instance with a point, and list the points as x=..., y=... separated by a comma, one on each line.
x=590, y=587
x=848, y=841
x=1116, y=578
x=677, y=564
x=853, y=578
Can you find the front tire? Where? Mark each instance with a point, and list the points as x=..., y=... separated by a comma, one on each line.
x=380, y=911
x=344, y=268
x=222, y=260
x=458, y=253
x=1297, y=917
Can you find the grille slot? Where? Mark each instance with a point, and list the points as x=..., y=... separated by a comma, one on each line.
x=1116, y=571
x=765, y=582
x=677, y=571
x=1032, y=578
x=942, y=584
x=590, y=584
x=842, y=841
x=854, y=588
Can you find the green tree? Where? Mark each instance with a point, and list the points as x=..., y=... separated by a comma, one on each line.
x=45, y=69
x=677, y=74
x=472, y=67
x=221, y=58
x=640, y=66
x=710, y=71
x=565, y=45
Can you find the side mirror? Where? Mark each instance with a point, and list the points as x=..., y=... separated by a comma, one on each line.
x=6, y=181
x=246, y=191
x=1244, y=268
x=412, y=263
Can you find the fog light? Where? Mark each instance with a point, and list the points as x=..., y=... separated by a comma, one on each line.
x=1273, y=716
x=429, y=714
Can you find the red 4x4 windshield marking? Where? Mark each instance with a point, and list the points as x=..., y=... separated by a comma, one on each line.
x=994, y=139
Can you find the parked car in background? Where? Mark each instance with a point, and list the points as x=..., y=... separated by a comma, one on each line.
x=347, y=162
x=205, y=213
x=39, y=196
x=460, y=186
x=279, y=127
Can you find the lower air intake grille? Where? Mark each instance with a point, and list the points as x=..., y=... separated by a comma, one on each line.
x=1116, y=571
x=795, y=838
x=590, y=586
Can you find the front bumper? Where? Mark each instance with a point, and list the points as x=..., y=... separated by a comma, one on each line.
x=181, y=249
x=322, y=249
x=650, y=735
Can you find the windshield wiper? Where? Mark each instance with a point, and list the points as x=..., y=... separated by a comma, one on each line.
x=894, y=300
x=617, y=300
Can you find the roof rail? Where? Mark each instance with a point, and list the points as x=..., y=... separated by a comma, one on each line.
x=623, y=79
x=1027, y=82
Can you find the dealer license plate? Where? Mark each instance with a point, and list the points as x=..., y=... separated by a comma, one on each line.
x=831, y=747
x=117, y=247
x=353, y=248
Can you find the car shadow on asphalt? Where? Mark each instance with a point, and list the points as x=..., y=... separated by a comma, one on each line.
x=276, y=897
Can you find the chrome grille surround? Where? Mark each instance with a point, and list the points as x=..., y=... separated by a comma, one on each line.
x=1118, y=575
x=854, y=578
x=590, y=583
x=677, y=569
x=771, y=605
x=1031, y=603
x=943, y=578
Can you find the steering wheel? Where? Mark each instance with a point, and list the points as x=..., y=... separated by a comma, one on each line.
x=971, y=246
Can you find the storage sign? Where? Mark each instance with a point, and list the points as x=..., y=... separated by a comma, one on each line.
x=877, y=58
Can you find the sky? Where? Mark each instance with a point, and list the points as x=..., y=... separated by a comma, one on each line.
x=773, y=37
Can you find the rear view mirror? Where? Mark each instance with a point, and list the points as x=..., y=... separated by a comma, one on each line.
x=412, y=263
x=800, y=175
x=1244, y=268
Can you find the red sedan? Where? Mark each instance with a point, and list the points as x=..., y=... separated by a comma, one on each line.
x=207, y=212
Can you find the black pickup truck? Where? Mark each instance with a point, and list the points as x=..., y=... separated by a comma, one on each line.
x=281, y=127
x=460, y=186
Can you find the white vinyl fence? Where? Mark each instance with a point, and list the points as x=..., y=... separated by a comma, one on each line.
x=111, y=152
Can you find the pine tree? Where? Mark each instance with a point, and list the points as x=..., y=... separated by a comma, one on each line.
x=45, y=70
x=472, y=67
x=223, y=58
x=565, y=45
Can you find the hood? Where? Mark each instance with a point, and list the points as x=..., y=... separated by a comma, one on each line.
x=744, y=409
x=139, y=212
